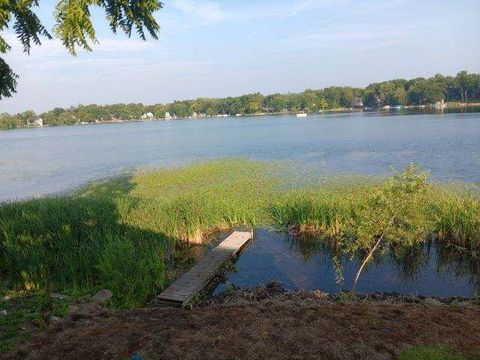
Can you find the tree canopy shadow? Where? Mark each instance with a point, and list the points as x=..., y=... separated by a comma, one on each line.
x=80, y=243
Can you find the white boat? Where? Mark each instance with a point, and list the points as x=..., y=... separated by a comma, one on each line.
x=302, y=115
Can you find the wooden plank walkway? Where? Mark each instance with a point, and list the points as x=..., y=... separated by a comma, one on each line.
x=182, y=291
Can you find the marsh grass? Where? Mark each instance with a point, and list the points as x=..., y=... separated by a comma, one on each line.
x=457, y=220
x=124, y=234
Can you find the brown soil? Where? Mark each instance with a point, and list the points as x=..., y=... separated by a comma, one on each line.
x=260, y=324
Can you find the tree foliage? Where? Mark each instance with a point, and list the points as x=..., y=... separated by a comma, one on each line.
x=391, y=210
x=390, y=215
x=418, y=91
x=8, y=80
x=73, y=26
x=421, y=91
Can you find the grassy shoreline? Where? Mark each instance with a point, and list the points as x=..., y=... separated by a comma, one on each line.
x=127, y=234
x=123, y=234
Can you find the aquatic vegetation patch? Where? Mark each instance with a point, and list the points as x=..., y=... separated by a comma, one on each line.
x=124, y=234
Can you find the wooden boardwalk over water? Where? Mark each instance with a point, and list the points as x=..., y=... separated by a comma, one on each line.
x=182, y=291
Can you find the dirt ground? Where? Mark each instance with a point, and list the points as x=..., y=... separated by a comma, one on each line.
x=259, y=325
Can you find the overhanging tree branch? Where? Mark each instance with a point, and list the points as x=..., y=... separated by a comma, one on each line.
x=73, y=26
x=8, y=80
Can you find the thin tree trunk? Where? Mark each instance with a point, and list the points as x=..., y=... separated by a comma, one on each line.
x=367, y=259
x=369, y=256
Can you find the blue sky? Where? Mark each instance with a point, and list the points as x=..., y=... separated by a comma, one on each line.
x=216, y=49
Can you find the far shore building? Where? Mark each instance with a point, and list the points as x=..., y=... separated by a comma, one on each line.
x=147, y=116
x=440, y=104
x=358, y=103
x=38, y=122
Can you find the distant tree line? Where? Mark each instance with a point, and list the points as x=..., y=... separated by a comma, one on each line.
x=464, y=87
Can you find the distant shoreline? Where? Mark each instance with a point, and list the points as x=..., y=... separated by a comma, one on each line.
x=429, y=108
x=435, y=93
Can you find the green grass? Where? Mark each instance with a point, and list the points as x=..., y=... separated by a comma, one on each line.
x=457, y=220
x=126, y=233
x=432, y=352
x=27, y=315
x=123, y=234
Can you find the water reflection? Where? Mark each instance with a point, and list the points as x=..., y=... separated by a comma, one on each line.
x=429, y=269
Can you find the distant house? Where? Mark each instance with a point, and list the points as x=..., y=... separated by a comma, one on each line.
x=147, y=116
x=38, y=122
x=168, y=116
x=357, y=102
x=440, y=104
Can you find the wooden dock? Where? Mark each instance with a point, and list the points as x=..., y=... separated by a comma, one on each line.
x=182, y=291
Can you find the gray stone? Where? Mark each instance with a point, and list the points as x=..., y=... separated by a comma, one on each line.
x=58, y=296
x=432, y=301
x=102, y=296
x=73, y=308
x=55, y=319
x=4, y=312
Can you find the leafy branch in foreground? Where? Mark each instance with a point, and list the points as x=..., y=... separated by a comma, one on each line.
x=73, y=26
x=8, y=80
x=391, y=214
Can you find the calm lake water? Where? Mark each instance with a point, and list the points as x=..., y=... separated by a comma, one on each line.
x=36, y=162
x=310, y=265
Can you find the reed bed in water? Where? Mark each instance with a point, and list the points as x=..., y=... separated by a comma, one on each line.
x=120, y=234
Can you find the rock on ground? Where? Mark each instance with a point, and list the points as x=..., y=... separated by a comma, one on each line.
x=102, y=296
